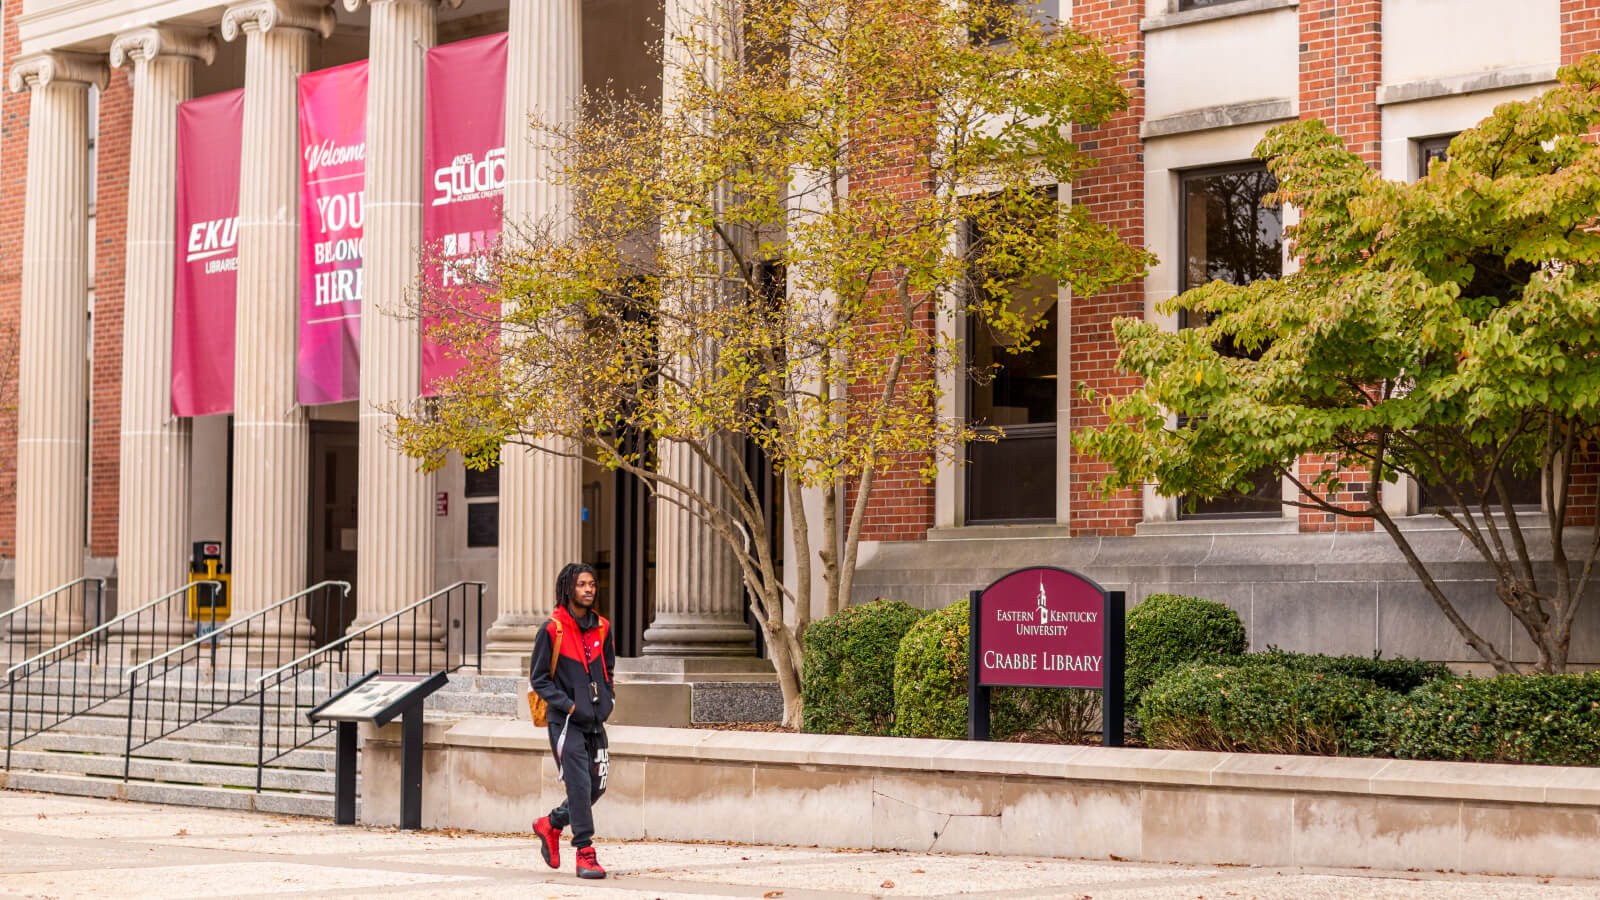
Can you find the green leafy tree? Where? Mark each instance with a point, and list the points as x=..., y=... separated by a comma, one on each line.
x=731, y=275
x=1447, y=330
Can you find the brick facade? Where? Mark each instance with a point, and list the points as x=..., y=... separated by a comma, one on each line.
x=1580, y=29
x=13, y=182
x=110, y=268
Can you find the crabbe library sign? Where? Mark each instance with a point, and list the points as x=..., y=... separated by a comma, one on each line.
x=1045, y=627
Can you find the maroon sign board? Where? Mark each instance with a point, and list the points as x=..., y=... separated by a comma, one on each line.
x=1045, y=627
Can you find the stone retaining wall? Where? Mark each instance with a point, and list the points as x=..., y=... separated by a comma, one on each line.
x=1028, y=799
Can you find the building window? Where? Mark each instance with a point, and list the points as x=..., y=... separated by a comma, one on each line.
x=1430, y=151
x=483, y=507
x=1013, y=396
x=1525, y=488
x=984, y=29
x=1186, y=5
x=1228, y=235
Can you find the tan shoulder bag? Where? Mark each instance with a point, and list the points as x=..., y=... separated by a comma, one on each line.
x=538, y=709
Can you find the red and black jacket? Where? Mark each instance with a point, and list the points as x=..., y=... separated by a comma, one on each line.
x=586, y=654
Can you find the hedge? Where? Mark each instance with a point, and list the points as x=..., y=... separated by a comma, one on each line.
x=1548, y=719
x=1264, y=709
x=1167, y=630
x=930, y=690
x=847, y=683
x=1399, y=674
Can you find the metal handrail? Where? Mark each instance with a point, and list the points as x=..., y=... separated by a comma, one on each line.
x=194, y=703
x=212, y=636
x=51, y=593
x=215, y=585
x=42, y=664
x=375, y=625
x=300, y=736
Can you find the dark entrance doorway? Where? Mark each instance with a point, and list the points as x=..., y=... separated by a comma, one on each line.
x=335, y=462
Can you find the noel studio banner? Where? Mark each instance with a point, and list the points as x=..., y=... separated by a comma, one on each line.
x=464, y=158
x=206, y=273
x=333, y=152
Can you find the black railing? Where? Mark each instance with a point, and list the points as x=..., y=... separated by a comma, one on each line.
x=60, y=683
x=53, y=617
x=425, y=637
x=190, y=693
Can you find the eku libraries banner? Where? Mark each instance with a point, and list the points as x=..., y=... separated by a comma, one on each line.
x=464, y=158
x=333, y=169
x=206, y=275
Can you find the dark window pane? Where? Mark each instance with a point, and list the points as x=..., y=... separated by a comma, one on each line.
x=483, y=484
x=1201, y=4
x=1431, y=151
x=483, y=524
x=1525, y=488
x=1013, y=479
x=1014, y=388
x=1229, y=235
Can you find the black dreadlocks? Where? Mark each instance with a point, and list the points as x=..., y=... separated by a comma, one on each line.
x=567, y=581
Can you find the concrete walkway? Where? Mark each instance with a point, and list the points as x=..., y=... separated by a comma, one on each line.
x=57, y=846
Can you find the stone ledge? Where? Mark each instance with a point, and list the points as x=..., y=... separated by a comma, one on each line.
x=1253, y=112
x=1212, y=13
x=1416, y=779
x=1470, y=83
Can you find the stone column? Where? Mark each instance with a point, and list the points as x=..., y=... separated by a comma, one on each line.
x=699, y=608
x=153, y=517
x=394, y=544
x=271, y=452
x=53, y=392
x=540, y=494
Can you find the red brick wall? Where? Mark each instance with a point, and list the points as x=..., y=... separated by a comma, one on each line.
x=1114, y=193
x=1341, y=66
x=13, y=179
x=1580, y=29
x=105, y=384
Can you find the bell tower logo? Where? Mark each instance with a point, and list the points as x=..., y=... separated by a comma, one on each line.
x=1044, y=610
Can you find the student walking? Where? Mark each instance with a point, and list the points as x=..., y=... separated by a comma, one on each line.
x=571, y=670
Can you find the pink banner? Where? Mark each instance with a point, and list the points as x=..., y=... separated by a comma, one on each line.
x=464, y=157
x=207, y=267
x=333, y=168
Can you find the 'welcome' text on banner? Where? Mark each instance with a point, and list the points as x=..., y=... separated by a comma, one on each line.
x=333, y=168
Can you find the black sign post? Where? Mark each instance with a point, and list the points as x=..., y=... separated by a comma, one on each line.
x=378, y=699
x=1036, y=627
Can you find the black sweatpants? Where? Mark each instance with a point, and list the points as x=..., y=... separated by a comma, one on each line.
x=585, y=761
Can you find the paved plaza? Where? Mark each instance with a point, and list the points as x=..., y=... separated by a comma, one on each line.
x=56, y=846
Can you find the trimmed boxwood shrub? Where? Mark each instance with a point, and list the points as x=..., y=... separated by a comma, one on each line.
x=1399, y=674
x=1264, y=709
x=1167, y=630
x=1547, y=719
x=847, y=684
x=930, y=690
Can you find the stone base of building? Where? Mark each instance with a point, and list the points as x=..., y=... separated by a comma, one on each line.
x=1336, y=593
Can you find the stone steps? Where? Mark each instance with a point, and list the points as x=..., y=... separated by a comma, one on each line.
x=290, y=804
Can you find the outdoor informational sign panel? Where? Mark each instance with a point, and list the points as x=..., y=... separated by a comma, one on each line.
x=333, y=171
x=206, y=275
x=379, y=698
x=1045, y=627
x=464, y=157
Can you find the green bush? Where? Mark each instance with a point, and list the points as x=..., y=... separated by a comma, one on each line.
x=1167, y=630
x=1399, y=674
x=1545, y=719
x=847, y=685
x=1264, y=709
x=930, y=691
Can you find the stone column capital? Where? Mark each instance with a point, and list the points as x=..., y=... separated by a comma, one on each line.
x=52, y=66
x=265, y=15
x=145, y=44
x=354, y=5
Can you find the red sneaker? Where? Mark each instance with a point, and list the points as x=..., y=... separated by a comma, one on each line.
x=588, y=867
x=549, y=842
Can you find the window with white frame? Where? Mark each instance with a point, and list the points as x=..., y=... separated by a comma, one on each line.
x=1227, y=234
x=483, y=507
